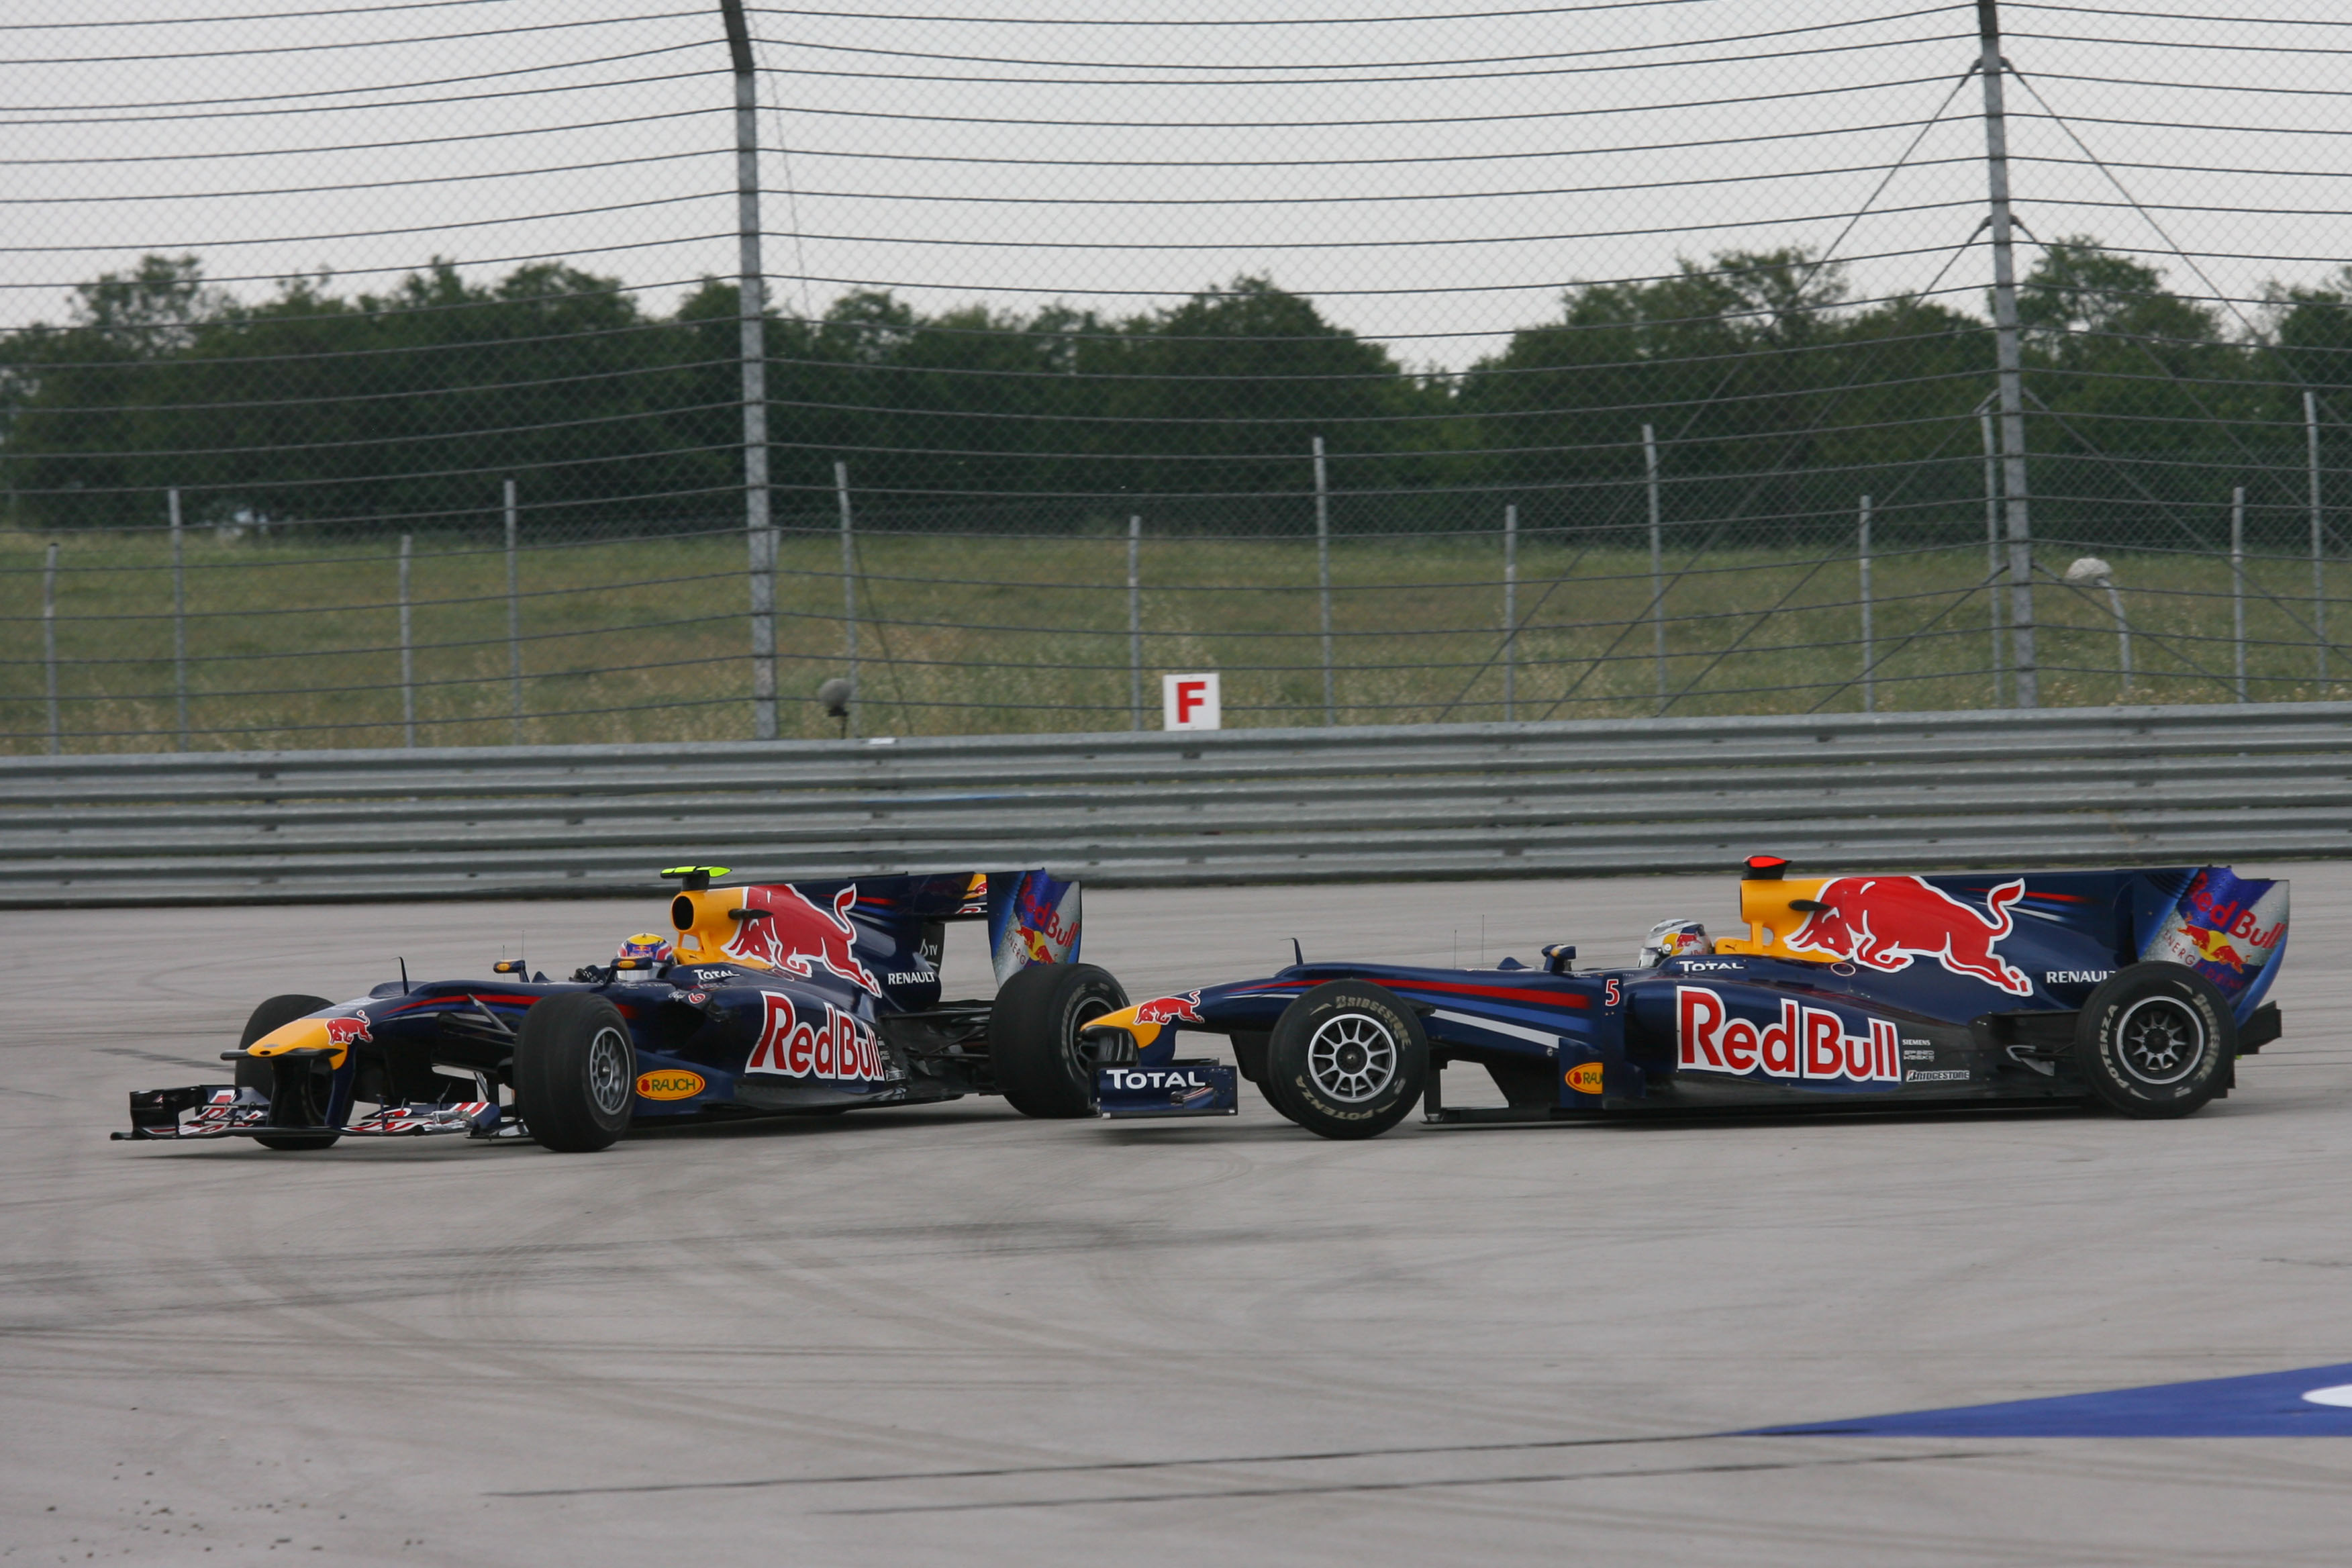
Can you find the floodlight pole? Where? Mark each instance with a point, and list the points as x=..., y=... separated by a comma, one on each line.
x=2009, y=360
x=759, y=523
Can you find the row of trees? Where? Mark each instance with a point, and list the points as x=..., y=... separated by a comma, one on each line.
x=1774, y=392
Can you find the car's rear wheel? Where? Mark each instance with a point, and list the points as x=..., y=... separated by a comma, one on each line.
x=2156, y=1041
x=1041, y=1065
x=1347, y=1061
x=575, y=1072
x=254, y=1073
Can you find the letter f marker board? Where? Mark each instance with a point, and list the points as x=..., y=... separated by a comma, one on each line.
x=1189, y=702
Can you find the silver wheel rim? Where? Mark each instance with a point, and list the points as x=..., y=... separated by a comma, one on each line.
x=608, y=1071
x=2159, y=1040
x=1352, y=1057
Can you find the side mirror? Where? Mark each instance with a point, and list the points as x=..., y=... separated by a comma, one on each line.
x=1560, y=958
x=508, y=966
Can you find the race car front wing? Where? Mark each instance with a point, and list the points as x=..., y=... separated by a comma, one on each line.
x=1174, y=1089
x=223, y=1111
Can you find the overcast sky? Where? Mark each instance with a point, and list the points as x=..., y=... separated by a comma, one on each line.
x=1432, y=180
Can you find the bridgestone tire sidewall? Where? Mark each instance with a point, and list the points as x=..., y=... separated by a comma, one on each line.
x=2097, y=1046
x=552, y=1063
x=1033, y=1036
x=1299, y=1098
x=276, y=1013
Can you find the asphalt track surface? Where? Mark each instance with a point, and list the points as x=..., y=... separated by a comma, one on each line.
x=950, y=1335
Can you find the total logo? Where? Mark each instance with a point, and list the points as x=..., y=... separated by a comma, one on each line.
x=1153, y=1077
x=839, y=1048
x=1809, y=1043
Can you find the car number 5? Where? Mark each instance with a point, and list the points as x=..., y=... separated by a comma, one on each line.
x=1609, y=995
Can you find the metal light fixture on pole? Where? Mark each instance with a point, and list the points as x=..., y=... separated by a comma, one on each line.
x=2089, y=572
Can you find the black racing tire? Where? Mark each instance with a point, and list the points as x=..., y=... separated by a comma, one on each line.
x=276, y=1013
x=1041, y=1065
x=2156, y=1041
x=1347, y=1061
x=575, y=1072
x=1249, y=1056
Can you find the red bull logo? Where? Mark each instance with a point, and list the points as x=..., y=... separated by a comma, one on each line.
x=1184, y=1010
x=2214, y=947
x=799, y=937
x=341, y=1032
x=1805, y=1043
x=1886, y=923
x=792, y=1047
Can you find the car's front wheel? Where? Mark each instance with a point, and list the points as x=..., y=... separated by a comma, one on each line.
x=1347, y=1061
x=575, y=1072
x=254, y=1073
x=2156, y=1041
x=1040, y=1063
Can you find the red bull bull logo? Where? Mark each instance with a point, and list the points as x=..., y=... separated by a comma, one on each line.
x=1886, y=923
x=799, y=937
x=792, y=1047
x=2226, y=928
x=1184, y=1010
x=2214, y=947
x=1805, y=1043
x=341, y=1032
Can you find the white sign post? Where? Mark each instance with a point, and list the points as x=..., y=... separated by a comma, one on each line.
x=1189, y=701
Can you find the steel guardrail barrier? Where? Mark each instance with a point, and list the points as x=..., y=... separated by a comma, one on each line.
x=2054, y=786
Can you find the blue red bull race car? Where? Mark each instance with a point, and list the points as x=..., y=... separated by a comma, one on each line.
x=2138, y=989
x=783, y=997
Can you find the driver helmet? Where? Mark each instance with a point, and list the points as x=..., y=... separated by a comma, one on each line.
x=1672, y=939
x=646, y=945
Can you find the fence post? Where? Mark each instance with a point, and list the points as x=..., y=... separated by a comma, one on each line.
x=514, y=613
x=1993, y=540
x=1510, y=611
x=2238, y=582
x=178, y=620
x=2318, y=544
x=1323, y=571
x=848, y=592
x=1657, y=560
x=1135, y=623
x=751, y=349
x=407, y=650
x=2009, y=359
x=1869, y=692
x=50, y=644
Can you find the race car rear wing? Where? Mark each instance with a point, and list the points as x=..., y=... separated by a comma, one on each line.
x=1032, y=917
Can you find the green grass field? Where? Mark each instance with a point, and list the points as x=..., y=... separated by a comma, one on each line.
x=294, y=642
